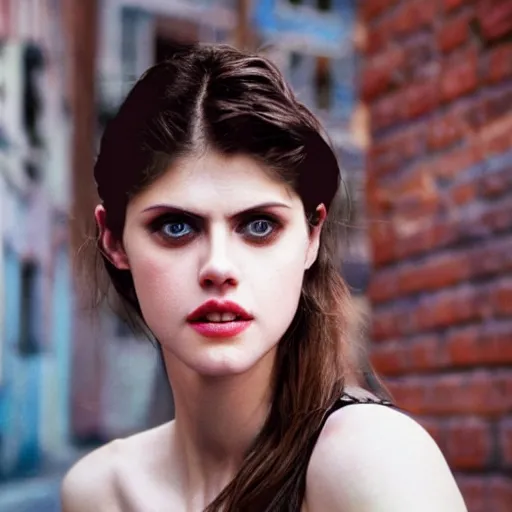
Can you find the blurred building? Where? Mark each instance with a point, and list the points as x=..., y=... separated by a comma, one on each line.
x=35, y=300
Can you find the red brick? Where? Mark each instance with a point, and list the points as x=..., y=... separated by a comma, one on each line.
x=468, y=443
x=435, y=312
x=450, y=5
x=449, y=307
x=382, y=72
x=501, y=297
x=412, y=211
x=409, y=393
x=426, y=353
x=393, y=151
x=498, y=216
x=442, y=233
x=370, y=10
x=492, y=257
x=499, y=494
x=400, y=148
x=378, y=36
x=476, y=345
x=383, y=164
x=495, y=18
x=418, y=183
x=505, y=440
x=435, y=428
x=420, y=354
x=421, y=98
x=497, y=105
x=383, y=285
x=474, y=490
x=414, y=15
x=437, y=272
x=413, y=242
x=385, y=325
x=420, y=56
x=479, y=393
x=445, y=131
x=499, y=66
x=463, y=193
x=496, y=184
x=475, y=114
x=460, y=77
x=486, y=493
x=382, y=236
x=463, y=347
x=454, y=32
x=494, y=138
x=387, y=111
x=389, y=358
x=450, y=164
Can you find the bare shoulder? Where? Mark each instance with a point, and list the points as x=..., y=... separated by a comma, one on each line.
x=90, y=484
x=95, y=483
x=370, y=458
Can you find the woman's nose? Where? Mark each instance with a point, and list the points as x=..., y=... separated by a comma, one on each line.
x=218, y=269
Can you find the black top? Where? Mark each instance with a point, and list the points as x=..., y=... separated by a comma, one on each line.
x=347, y=399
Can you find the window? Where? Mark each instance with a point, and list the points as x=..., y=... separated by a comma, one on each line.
x=295, y=60
x=129, y=26
x=324, y=5
x=30, y=328
x=32, y=171
x=323, y=83
x=33, y=64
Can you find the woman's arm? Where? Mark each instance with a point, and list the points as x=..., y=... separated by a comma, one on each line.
x=370, y=458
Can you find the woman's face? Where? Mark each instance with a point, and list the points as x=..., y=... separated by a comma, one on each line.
x=216, y=233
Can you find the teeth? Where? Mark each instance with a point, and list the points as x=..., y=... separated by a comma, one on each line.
x=213, y=317
x=220, y=317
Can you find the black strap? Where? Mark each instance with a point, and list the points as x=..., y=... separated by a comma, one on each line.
x=348, y=399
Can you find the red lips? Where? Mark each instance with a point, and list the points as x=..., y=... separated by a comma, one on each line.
x=220, y=330
x=218, y=306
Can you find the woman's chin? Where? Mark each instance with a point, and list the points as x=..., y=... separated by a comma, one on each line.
x=223, y=361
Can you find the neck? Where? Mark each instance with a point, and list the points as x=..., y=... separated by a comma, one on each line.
x=216, y=421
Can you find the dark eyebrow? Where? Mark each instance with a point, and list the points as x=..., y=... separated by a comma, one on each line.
x=180, y=211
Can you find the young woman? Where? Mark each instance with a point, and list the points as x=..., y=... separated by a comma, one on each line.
x=217, y=229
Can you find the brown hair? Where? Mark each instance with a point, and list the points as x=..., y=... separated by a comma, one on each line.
x=218, y=97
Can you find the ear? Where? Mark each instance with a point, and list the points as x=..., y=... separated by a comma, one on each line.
x=111, y=247
x=314, y=236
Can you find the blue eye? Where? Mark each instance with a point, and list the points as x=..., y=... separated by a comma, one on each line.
x=175, y=229
x=260, y=228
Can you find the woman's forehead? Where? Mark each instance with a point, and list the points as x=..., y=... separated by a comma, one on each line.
x=223, y=182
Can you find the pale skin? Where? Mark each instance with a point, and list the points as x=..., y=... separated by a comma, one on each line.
x=249, y=243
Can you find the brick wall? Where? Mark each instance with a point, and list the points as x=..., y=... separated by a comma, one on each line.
x=437, y=80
